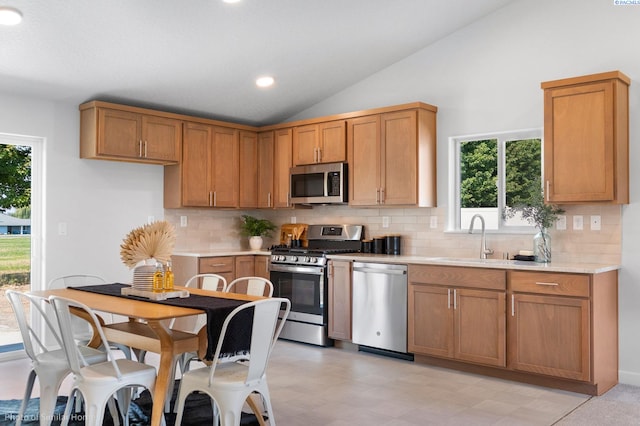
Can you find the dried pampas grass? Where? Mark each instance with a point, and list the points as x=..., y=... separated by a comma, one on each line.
x=154, y=240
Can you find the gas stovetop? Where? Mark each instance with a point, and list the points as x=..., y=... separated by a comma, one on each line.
x=323, y=240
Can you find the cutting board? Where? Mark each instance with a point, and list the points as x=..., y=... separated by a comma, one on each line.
x=293, y=228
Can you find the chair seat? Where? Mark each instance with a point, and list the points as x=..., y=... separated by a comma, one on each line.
x=228, y=375
x=106, y=372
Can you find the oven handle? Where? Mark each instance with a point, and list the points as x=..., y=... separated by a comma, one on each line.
x=313, y=270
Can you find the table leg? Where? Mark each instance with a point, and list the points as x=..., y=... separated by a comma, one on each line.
x=164, y=372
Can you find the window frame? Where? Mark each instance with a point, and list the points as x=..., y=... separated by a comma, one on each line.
x=454, y=214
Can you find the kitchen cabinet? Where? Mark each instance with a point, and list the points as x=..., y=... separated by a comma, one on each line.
x=230, y=267
x=458, y=313
x=565, y=325
x=320, y=143
x=209, y=170
x=586, y=139
x=265, y=170
x=339, y=299
x=282, y=166
x=113, y=132
x=248, y=185
x=392, y=158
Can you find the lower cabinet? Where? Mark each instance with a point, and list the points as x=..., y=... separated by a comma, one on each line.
x=457, y=313
x=339, y=299
x=230, y=267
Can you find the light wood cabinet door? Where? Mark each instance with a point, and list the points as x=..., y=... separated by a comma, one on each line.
x=364, y=157
x=586, y=139
x=305, y=145
x=480, y=326
x=244, y=266
x=320, y=143
x=248, y=188
x=399, y=152
x=265, y=170
x=282, y=167
x=130, y=136
x=339, y=299
x=261, y=266
x=225, y=173
x=550, y=335
x=196, y=165
x=161, y=138
x=430, y=330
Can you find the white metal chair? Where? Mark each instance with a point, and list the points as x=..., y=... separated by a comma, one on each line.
x=82, y=329
x=229, y=384
x=97, y=383
x=254, y=286
x=48, y=364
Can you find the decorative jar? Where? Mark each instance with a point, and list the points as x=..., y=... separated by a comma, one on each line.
x=542, y=246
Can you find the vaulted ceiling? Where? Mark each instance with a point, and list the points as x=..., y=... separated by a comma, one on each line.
x=202, y=57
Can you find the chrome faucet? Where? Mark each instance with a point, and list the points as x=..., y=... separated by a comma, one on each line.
x=484, y=251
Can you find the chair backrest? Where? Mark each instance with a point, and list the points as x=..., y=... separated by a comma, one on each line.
x=33, y=340
x=62, y=307
x=75, y=281
x=264, y=333
x=254, y=286
x=212, y=282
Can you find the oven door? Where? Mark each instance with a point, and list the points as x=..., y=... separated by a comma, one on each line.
x=304, y=286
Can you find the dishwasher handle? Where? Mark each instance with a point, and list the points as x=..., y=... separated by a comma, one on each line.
x=380, y=271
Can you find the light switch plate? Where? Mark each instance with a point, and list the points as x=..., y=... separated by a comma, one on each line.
x=385, y=221
x=596, y=222
x=578, y=223
x=62, y=228
x=433, y=222
x=561, y=223
x=294, y=219
x=183, y=221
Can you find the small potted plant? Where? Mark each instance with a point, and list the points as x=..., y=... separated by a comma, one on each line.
x=540, y=214
x=255, y=229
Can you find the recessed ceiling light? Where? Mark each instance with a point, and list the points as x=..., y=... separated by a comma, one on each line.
x=265, y=81
x=232, y=1
x=10, y=16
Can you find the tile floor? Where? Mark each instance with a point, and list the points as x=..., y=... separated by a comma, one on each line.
x=338, y=387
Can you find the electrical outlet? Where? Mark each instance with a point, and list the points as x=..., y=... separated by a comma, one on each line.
x=578, y=223
x=62, y=228
x=433, y=222
x=294, y=219
x=561, y=223
x=596, y=222
x=385, y=221
x=183, y=221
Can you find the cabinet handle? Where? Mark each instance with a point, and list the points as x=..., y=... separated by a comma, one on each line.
x=268, y=199
x=543, y=283
x=319, y=155
x=455, y=299
x=513, y=308
x=381, y=195
x=140, y=148
x=547, y=191
x=215, y=199
x=210, y=198
x=145, y=149
x=448, y=298
x=288, y=199
x=216, y=264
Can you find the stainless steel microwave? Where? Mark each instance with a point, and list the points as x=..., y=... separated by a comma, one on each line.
x=319, y=184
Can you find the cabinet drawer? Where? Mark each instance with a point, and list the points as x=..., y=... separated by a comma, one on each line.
x=492, y=279
x=215, y=265
x=550, y=283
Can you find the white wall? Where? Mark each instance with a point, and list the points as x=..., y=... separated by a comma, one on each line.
x=487, y=78
x=100, y=201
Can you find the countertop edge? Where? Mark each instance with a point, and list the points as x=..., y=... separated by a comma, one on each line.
x=219, y=253
x=580, y=268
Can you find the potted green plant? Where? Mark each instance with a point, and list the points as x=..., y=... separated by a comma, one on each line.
x=540, y=214
x=255, y=229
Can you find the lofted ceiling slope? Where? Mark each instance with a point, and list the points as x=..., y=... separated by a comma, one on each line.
x=201, y=57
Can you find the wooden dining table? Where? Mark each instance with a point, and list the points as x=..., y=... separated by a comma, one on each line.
x=148, y=329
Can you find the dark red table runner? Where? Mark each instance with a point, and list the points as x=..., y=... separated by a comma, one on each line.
x=238, y=337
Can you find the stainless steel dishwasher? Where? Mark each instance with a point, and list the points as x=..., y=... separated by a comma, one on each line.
x=380, y=306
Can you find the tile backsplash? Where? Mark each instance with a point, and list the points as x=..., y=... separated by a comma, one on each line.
x=209, y=230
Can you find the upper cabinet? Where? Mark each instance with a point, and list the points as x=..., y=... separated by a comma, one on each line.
x=265, y=170
x=115, y=132
x=248, y=195
x=586, y=139
x=208, y=175
x=320, y=143
x=281, y=167
x=392, y=158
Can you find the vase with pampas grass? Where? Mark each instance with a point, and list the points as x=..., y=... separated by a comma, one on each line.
x=143, y=247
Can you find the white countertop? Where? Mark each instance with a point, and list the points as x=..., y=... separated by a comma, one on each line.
x=579, y=268
x=223, y=252
x=571, y=267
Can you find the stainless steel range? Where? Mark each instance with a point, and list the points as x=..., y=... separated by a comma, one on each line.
x=300, y=275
